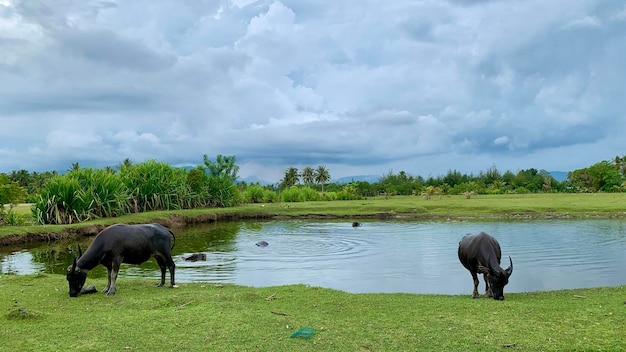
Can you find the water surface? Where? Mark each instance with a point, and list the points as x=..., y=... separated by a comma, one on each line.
x=380, y=256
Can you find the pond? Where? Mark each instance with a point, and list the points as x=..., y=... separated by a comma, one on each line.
x=380, y=256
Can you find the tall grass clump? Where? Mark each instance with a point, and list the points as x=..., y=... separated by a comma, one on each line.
x=80, y=195
x=258, y=194
x=299, y=194
x=11, y=217
x=155, y=185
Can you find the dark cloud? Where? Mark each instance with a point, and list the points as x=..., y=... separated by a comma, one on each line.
x=107, y=47
x=362, y=87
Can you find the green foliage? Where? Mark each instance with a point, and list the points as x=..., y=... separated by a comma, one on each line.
x=291, y=178
x=258, y=194
x=308, y=175
x=604, y=176
x=292, y=194
x=223, y=167
x=11, y=217
x=59, y=202
x=155, y=185
x=84, y=194
x=299, y=194
x=218, y=187
x=321, y=175
x=10, y=191
x=80, y=195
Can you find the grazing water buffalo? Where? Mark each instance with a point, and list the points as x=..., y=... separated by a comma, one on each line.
x=480, y=253
x=117, y=244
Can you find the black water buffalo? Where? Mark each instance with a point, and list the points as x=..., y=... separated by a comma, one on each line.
x=356, y=224
x=480, y=253
x=117, y=244
x=195, y=257
x=262, y=244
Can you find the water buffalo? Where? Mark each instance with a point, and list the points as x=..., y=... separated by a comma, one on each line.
x=356, y=224
x=481, y=253
x=262, y=244
x=117, y=244
x=195, y=257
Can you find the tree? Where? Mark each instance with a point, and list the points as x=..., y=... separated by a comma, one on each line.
x=291, y=178
x=308, y=175
x=602, y=176
x=224, y=166
x=220, y=180
x=10, y=191
x=322, y=175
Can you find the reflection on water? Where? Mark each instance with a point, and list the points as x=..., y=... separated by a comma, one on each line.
x=380, y=256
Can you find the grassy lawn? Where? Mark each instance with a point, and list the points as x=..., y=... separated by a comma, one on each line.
x=38, y=314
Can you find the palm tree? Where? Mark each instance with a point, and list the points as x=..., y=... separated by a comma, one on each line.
x=322, y=175
x=308, y=175
x=291, y=178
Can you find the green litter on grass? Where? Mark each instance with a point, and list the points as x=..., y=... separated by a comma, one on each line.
x=305, y=333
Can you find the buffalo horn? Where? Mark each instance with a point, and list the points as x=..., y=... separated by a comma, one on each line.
x=509, y=270
x=73, y=266
x=80, y=251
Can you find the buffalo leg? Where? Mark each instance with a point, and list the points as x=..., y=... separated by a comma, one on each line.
x=487, y=288
x=115, y=268
x=172, y=267
x=166, y=262
x=108, y=286
x=475, y=293
x=163, y=267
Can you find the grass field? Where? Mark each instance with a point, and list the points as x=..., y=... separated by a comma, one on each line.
x=38, y=315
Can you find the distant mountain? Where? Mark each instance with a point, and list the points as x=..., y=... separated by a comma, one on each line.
x=559, y=175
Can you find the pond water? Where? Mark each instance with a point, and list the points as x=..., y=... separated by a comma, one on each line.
x=380, y=256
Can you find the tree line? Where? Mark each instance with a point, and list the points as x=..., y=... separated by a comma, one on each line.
x=86, y=193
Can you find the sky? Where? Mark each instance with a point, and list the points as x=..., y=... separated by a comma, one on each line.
x=363, y=87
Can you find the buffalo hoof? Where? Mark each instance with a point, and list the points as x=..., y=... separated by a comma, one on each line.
x=89, y=289
x=262, y=244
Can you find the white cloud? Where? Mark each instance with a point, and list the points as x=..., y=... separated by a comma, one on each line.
x=360, y=86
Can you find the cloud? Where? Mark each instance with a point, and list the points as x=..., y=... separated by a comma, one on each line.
x=361, y=87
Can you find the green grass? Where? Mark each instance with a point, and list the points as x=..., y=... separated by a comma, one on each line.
x=38, y=314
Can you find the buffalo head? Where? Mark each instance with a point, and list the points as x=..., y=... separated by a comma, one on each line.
x=498, y=278
x=76, y=277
